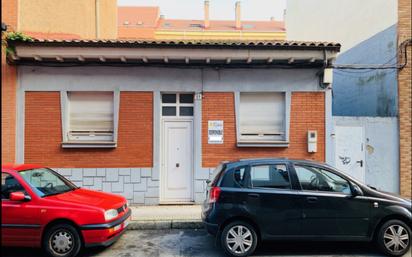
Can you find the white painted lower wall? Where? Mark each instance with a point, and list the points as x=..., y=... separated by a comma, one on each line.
x=381, y=140
x=137, y=185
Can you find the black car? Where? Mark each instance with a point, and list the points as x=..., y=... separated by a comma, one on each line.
x=253, y=200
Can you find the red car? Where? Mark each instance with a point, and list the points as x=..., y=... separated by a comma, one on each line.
x=40, y=208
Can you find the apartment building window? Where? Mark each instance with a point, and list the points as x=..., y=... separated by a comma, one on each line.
x=90, y=119
x=262, y=119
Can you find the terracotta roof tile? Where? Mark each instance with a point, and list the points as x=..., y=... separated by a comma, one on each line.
x=182, y=43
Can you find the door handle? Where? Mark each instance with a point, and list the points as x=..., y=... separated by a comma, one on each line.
x=254, y=195
x=312, y=199
x=360, y=162
x=177, y=165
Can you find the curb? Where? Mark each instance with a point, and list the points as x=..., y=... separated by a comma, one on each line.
x=164, y=224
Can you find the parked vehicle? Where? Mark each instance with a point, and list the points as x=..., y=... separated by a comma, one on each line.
x=40, y=208
x=253, y=200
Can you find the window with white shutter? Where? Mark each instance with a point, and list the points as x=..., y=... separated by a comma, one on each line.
x=262, y=117
x=90, y=116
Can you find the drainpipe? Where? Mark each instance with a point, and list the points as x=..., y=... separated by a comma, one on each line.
x=97, y=16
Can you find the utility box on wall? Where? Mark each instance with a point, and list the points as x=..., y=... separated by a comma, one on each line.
x=312, y=141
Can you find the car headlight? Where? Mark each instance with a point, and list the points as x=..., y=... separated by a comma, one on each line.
x=110, y=214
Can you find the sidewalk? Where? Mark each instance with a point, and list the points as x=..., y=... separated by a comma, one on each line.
x=165, y=217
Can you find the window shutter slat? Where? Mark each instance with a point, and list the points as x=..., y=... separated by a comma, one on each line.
x=91, y=111
x=262, y=113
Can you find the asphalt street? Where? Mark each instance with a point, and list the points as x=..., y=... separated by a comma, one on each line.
x=154, y=243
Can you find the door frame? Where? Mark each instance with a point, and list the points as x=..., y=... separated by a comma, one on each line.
x=163, y=154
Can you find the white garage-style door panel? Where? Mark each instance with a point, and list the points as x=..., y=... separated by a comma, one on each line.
x=177, y=175
x=350, y=154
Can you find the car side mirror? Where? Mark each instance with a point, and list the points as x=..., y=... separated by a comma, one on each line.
x=19, y=196
x=356, y=191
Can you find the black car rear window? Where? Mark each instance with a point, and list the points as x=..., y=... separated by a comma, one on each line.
x=217, y=173
x=235, y=177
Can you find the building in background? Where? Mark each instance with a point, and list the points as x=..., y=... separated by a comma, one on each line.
x=147, y=23
x=405, y=94
x=81, y=18
x=47, y=19
x=365, y=101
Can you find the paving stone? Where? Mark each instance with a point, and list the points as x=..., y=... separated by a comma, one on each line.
x=128, y=191
x=146, y=172
x=124, y=171
x=87, y=181
x=78, y=183
x=135, y=175
x=151, y=183
x=98, y=183
x=89, y=172
x=101, y=172
x=107, y=187
x=77, y=175
x=152, y=192
x=112, y=174
x=155, y=174
x=66, y=172
x=117, y=187
x=141, y=187
x=138, y=198
x=126, y=179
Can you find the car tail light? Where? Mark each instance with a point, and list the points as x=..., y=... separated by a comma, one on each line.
x=214, y=194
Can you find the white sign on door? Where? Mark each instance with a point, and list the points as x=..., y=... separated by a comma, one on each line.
x=215, y=132
x=350, y=155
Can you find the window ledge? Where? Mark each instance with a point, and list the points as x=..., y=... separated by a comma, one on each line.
x=89, y=144
x=262, y=144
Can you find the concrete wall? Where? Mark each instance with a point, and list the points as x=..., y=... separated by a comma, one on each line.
x=367, y=31
x=78, y=17
x=382, y=149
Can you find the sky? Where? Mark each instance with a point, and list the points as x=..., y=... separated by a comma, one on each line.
x=219, y=9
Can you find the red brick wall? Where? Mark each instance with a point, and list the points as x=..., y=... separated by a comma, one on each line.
x=405, y=99
x=307, y=113
x=8, y=89
x=43, y=134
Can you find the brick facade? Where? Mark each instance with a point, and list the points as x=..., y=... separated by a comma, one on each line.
x=8, y=89
x=405, y=101
x=43, y=134
x=307, y=113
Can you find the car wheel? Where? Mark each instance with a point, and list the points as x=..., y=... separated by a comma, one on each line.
x=239, y=239
x=394, y=238
x=62, y=240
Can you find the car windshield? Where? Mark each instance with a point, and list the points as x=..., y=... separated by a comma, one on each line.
x=46, y=182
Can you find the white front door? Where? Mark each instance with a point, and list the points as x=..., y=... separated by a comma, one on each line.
x=350, y=154
x=177, y=161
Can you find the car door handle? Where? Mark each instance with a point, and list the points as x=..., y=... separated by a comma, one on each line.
x=312, y=199
x=254, y=195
